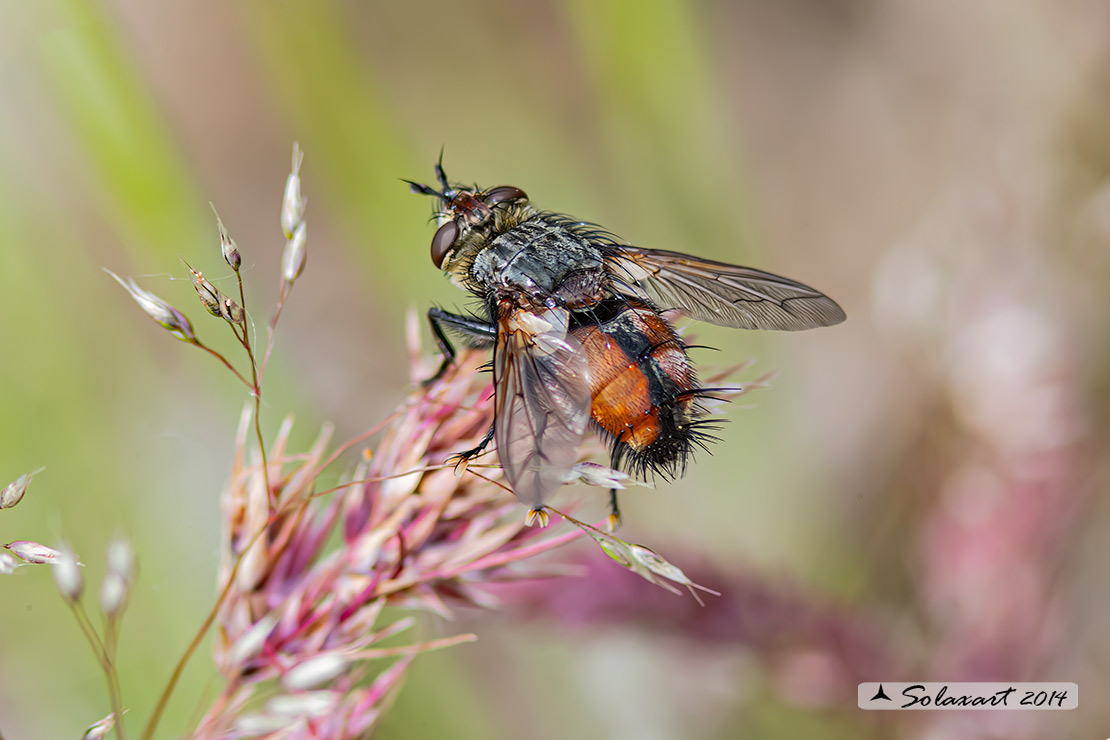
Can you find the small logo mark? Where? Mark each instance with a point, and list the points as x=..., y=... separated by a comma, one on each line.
x=880, y=694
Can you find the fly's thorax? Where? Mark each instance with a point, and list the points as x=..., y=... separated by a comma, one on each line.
x=544, y=260
x=476, y=235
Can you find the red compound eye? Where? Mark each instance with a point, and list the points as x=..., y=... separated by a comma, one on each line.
x=442, y=241
x=503, y=193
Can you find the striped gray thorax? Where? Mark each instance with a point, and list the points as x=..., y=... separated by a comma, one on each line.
x=540, y=259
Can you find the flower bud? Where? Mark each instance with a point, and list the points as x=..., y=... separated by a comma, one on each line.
x=650, y=561
x=251, y=642
x=593, y=474
x=231, y=311
x=101, y=729
x=640, y=560
x=121, y=558
x=209, y=296
x=34, y=552
x=67, y=576
x=303, y=704
x=315, y=671
x=257, y=724
x=228, y=247
x=113, y=591
x=13, y=492
x=292, y=205
x=293, y=258
x=8, y=563
x=169, y=317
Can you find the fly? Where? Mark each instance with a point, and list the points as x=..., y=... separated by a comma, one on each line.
x=574, y=320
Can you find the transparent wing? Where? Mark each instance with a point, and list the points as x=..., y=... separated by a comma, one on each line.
x=541, y=381
x=720, y=293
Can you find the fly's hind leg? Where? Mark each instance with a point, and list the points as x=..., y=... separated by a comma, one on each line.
x=614, y=463
x=614, y=511
x=475, y=332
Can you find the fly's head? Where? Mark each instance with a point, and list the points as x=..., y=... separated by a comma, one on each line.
x=468, y=219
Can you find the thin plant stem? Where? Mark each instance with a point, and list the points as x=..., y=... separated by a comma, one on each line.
x=111, y=631
x=242, y=296
x=104, y=658
x=377, y=479
x=227, y=364
x=283, y=293
x=392, y=476
x=419, y=649
x=90, y=633
x=256, y=393
x=392, y=587
x=163, y=700
x=352, y=442
x=256, y=390
x=167, y=692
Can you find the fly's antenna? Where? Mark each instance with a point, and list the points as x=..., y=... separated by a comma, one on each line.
x=421, y=189
x=440, y=174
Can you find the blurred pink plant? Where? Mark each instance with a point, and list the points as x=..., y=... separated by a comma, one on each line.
x=779, y=622
x=993, y=339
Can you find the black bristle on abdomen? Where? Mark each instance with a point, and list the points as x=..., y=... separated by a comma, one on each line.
x=669, y=454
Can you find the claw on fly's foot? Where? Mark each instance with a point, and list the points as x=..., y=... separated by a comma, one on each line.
x=536, y=516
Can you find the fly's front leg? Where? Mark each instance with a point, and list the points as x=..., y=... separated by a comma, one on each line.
x=461, y=459
x=476, y=333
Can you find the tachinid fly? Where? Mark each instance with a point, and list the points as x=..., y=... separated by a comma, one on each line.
x=573, y=318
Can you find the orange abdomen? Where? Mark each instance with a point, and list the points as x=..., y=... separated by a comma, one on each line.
x=640, y=376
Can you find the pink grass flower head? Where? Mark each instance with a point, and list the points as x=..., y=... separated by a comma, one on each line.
x=303, y=615
x=34, y=552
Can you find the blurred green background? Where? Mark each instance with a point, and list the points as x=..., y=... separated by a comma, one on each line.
x=939, y=168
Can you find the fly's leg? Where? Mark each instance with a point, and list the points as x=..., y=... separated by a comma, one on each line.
x=614, y=463
x=461, y=459
x=614, y=511
x=476, y=333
